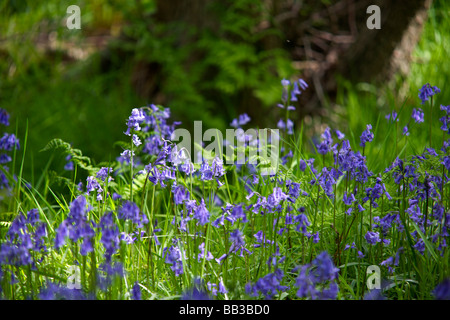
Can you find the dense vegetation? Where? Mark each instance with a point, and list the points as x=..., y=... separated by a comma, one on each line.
x=370, y=187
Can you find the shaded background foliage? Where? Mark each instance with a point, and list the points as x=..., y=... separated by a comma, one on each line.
x=206, y=60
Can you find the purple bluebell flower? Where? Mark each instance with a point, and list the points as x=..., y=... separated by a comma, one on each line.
x=284, y=96
x=126, y=156
x=276, y=197
x=136, y=141
x=418, y=115
x=238, y=213
x=69, y=164
x=208, y=256
x=302, y=223
x=92, y=184
x=261, y=239
x=4, y=117
x=4, y=158
x=316, y=237
x=136, y=291
x=173, y=256
x=243, y=119
x=303, y=85
x=206, y=171
x=130, y=211
x=196, y=292
x=312, y=279
x=405, y=131
x=427, y=91
x=61, y=292
x=86, y=246
x=367, y=136
x=267, y=285
x=180, y=193
x=325, y=145
x=9, y=142
x=392, y=117
x=222, y=288
x=374, y=294
x=201, y=213
x=372, y=237
x=103, y=173
x=442, y=290
x=420, y=246
x=340, y=135
x=136, y=118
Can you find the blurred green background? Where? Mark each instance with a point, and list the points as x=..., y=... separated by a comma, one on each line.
x=80, y=85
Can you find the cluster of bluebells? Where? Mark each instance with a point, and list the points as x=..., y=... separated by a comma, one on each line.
x=317, y=281
x=8, y=142
x=283, y=199
x=25, y=238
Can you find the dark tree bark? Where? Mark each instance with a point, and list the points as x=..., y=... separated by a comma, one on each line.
x=374, y=56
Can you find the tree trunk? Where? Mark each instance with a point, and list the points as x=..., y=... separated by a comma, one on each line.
x=378, y=53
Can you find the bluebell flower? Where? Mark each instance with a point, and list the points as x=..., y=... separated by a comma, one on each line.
x=237, y=242
x=420, y=246
x=54, y=291
x=136, y=118
x=316, y=237
x=284, y=95
x=206, y=171
x=238, y=213
x=86, y=247
x=261, y=239
x=92, y=185
x=367, y=136
x=295, y=92
x=374, y=294
x=103, y=173
x=303, y=84
x=61, y=234
x=4, y=117
x=372, y=237
x=130, y=211
x=325, y=146
x=243, y=119
x=173, y=256
x=196, y=292
x=268, y=285
x=179, y=193
x=276, y=197
x=136, y=141
x=442, y=290
x=136, y=291
x=69, y=164
x=405, y=131
x=201, y=213
x=340, y=135
x=9, y=142
x=217, y=167
x=208, y=256
x=427, y=91
x=222, y=288
x=418, y=115
x=126, y=155
x=392, y=117
x=313, y=279
x=348, y=199
x=302, y=223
